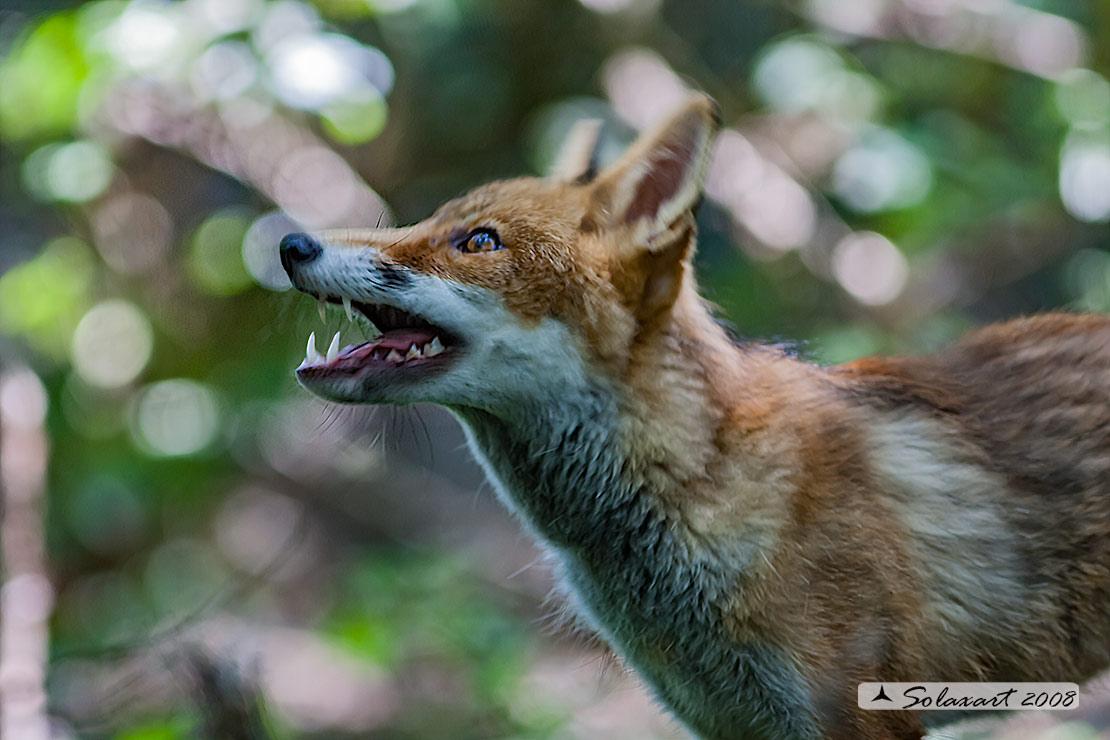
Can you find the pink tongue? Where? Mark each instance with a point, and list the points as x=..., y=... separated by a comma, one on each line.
x=398, y=339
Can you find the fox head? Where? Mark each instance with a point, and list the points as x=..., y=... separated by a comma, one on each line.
x=520, y=286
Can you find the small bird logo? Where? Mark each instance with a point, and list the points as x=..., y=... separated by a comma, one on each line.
x=882, y=695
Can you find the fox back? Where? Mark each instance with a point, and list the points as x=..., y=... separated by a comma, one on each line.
x=754, y=535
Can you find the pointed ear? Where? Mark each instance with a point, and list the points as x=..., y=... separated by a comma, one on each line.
x=661, y=176
x=577, y=159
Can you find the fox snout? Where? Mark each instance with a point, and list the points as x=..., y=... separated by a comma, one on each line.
x=297, y=249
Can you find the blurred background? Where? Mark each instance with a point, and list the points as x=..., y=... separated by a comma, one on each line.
x=194, y=547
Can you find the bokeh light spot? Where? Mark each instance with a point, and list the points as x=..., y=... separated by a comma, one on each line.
x=112, y=344
x=356, y=119
x=1083, y=98
x=224, y=71
x=133, y=231
x=870, y=268
x=735, y=169
x=801, y=74
x=1085, y=178
x=642, y=86
x=74, y=172
x=282, y=20
x=779, y=212
x=859, y=17
x=882, y=172
x=43, y=298
x=226, y=16
x=260, y=253
x=215, y=254
x=759, y=195
x=791, y=75
x=313, y=70
x=41, y=76
x=1039, y=42
x=849, y=98
x=315, y=185
x=145, y=37
x=175, y=417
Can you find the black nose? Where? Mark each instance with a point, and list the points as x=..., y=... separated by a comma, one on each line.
x=298, y=249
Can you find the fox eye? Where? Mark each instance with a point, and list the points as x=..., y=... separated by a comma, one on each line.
x=479, y=240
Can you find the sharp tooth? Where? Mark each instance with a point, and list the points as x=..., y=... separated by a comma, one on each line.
x=347, y=307
x=413, y=352
x=394, y=356
x=433, y=348
x=323, y=305
x=311, y=356
x=333, y=348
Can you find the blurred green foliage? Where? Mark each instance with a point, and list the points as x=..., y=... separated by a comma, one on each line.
x=894, y=173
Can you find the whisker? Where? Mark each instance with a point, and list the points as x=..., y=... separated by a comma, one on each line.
x=332, y=414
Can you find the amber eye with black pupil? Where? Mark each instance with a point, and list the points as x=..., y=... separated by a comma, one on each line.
x=479, y=240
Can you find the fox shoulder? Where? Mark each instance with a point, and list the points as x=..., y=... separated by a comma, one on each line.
x=1033, y=394
x=1039, y=357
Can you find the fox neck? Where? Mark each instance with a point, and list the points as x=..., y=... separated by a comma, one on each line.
x=617, y=545
x=600, y=471
x=615, y=480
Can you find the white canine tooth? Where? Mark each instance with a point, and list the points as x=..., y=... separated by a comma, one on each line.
x=394, y=356
x=347, y=307
x=413, y=352
x=311, y=356
x=323, y=305
x=433, y=348
x=333, y=348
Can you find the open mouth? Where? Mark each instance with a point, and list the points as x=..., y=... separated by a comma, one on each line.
x=404, y=342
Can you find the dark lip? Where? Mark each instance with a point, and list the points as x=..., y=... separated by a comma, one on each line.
x=385, y=368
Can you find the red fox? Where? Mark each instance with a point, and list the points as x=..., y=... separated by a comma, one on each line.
x=753, y=534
